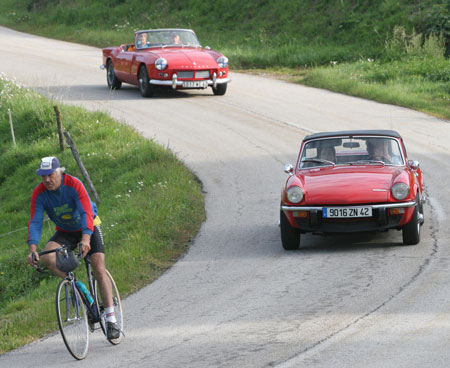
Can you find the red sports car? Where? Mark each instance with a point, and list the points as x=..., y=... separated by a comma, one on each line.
x=352, y=181
x=166, y=57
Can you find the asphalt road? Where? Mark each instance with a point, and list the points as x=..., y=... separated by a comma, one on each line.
x=237, y=299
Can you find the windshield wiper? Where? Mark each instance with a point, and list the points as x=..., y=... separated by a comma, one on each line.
x=319, y=160
x=366, y=162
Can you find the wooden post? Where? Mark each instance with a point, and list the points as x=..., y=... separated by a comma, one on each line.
x=60, y=131
x=12, y=127
x=81, y=166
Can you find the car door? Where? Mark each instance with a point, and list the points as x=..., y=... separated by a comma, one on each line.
x=123, y=65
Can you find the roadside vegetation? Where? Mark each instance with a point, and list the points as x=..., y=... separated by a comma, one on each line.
x=393, y=51
x=150, y=204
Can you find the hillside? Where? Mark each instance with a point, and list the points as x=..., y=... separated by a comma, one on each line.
x=314, y=31
x=392, y=51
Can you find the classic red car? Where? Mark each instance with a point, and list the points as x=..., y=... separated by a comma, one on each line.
x=170, y=58
x=352, y=181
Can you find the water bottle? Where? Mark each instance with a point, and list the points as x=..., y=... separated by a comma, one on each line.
x=82, y=287
x=92, y=308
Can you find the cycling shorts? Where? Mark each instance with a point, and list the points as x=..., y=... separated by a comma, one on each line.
x=72, y=239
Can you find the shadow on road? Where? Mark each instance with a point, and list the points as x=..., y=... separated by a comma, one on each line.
x=89, y=92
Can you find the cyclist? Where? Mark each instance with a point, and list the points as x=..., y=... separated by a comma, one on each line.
x=66, y=202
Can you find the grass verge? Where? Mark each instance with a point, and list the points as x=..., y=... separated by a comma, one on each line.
x=151, y=205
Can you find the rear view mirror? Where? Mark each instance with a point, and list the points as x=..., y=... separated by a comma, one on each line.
x=351, y=144
x=288, y=169
x=413, y=164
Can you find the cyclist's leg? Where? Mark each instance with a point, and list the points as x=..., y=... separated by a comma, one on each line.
x=97, y=255
x=104, y=284
x=59, y=238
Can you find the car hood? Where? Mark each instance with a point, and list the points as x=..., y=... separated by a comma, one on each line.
x=348, y=185
x=187, y=58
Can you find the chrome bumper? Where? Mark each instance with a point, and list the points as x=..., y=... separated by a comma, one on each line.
x=176, y=83
x=377, y=206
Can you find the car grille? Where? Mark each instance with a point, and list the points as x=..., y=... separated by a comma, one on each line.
x=199, y=74
x=202, y=74
x=185, y=75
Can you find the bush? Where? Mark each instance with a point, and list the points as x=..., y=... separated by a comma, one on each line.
x=400, y=43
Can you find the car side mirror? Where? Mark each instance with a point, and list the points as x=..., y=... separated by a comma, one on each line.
x=413, y=164
x=288, y=169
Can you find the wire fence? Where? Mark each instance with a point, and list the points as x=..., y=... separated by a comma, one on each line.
x=15, y=231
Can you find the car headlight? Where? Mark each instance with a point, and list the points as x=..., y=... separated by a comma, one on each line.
x=295, y=194
x=222, y=61
x=161, y=64
x=400, y=191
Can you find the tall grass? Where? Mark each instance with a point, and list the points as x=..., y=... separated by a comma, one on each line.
x=151, y=205
x=414, y=73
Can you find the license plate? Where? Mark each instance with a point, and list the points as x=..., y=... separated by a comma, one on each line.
x=195, y=84
x=346, y=212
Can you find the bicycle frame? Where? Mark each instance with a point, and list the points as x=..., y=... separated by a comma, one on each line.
x=77, y=301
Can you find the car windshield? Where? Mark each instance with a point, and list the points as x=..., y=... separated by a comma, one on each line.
x=166, y=38
x=368, y=150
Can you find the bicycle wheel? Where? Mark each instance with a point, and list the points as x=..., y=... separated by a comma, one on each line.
x=72, y=319
x=117, y=308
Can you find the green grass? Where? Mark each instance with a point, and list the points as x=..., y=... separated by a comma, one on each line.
x=313, y=36
x=151, y=205
x=421, y=83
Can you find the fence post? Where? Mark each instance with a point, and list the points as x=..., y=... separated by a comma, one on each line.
x=12, y=127
x=60, y=131
x=81, y=166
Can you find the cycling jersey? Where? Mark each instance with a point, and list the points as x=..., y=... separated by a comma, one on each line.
x=69, y=207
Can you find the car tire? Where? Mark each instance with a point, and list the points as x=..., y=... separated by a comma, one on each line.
x=145, y=87
x=411, y=231
x=220, y=89
x=290, y=236
x=111, y=78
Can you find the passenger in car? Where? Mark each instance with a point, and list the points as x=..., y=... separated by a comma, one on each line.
x=175, y=39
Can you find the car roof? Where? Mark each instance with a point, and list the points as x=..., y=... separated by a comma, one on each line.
x=390, y=133
x=165, y=29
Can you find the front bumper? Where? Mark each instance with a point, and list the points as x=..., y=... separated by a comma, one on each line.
x=175, y=83
x=314, y=222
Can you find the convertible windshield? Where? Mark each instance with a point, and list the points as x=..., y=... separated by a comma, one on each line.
x=351, y=151
x=166, y=38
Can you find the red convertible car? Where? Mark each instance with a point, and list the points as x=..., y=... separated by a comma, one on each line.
x=170, y=58
x=352, y=181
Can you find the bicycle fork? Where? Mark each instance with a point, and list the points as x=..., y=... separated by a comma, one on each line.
x=74, y=301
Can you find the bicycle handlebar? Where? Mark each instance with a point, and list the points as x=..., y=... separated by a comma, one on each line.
x=39, y=269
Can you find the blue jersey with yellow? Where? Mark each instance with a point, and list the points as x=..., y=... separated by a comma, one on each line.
x=69, y=207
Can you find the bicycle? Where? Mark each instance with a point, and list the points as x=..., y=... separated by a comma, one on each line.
x=77, y=319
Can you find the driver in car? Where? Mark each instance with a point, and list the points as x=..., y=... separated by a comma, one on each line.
x=378, y=150
x=141, y=40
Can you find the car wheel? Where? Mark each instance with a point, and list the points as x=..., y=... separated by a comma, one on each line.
x=111, y=78
x=411, y=231
x=220, y=89
x=290, y=236
x=144, y=83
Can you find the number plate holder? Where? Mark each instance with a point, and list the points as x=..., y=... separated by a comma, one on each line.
x=195, y=84
x=347, y=212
